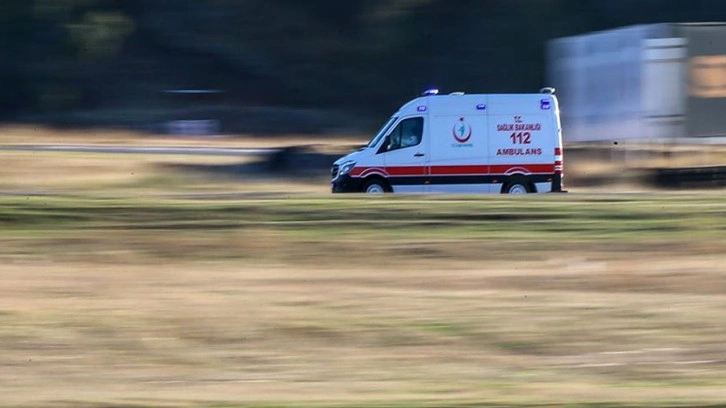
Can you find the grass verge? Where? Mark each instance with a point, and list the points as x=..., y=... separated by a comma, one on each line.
x=313, y=301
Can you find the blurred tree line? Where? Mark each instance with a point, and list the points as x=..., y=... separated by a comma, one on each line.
x=362, y=56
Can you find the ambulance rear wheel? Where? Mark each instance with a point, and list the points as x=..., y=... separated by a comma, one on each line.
x=375, y=186
x=517, y=188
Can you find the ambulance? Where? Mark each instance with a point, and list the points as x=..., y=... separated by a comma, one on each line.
x=461, y=143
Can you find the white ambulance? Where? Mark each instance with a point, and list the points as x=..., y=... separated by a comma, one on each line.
x=460, y=143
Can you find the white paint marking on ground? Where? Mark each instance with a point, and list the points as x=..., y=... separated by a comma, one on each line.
x=619, y=353
x=627, y=352
x=650, y=351
x=697, y=362
x=653, y=363
x=600, y=365
x=664, y=350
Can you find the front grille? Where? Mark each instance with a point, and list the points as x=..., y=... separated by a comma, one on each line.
x=334, y=171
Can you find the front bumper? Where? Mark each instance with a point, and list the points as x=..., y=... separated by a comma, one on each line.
x=346, y=184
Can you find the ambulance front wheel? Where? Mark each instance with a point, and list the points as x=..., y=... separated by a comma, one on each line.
x=375, y=186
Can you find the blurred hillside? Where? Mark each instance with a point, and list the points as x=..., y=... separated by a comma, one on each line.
x=80, y=62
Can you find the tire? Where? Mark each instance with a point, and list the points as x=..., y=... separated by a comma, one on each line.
x=375, y=186
x=517, y=188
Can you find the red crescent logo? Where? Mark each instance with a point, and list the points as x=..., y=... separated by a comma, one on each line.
x=457, y=127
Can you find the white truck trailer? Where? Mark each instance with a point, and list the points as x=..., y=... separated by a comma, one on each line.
x=648, y=83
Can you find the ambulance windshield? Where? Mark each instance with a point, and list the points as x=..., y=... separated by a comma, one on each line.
x=382, y=133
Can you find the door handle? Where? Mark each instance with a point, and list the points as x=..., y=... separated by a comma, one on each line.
x=419, y=155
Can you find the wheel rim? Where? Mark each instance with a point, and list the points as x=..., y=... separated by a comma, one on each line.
x=518, y=189
x=375, y=189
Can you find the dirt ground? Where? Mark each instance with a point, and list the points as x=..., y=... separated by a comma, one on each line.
x=578, y=329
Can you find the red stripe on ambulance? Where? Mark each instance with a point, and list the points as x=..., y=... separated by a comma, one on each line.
x=458, y=170
x=461, y=170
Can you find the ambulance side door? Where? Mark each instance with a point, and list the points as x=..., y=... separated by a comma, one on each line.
x=404, y=154
x=458, y=161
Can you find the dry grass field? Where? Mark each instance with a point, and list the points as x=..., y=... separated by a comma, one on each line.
x=129, y=283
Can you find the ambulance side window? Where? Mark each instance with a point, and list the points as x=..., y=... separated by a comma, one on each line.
x=408, y=133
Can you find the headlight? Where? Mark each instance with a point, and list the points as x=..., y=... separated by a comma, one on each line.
x=346, y=167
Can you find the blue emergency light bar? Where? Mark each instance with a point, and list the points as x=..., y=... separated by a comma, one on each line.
x=431, y=92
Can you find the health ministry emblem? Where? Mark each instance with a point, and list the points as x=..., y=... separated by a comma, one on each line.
x=462, y=131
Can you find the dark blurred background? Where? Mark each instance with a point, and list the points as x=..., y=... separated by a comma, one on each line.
x=283, y=65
